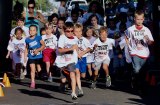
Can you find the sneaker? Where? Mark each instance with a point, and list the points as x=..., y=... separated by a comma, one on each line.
x=93, y=85
x=32, y=85
x=25, y=72
x=80, y=93
x=108, y=81
x=50, y=79
x=74, y=96
x=22, y=76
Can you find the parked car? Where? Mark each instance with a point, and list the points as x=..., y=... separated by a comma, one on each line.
x=70, y=5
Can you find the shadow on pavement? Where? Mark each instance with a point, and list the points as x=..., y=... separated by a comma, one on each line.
x=41, y=94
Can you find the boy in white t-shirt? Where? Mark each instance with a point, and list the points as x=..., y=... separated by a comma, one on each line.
x=67, y=56
x=138, y=37
x=83, y=48
x=101, y=47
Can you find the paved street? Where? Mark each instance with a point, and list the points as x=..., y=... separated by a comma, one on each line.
x=48, y=94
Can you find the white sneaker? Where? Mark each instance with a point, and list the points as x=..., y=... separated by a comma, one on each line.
x=74, y=96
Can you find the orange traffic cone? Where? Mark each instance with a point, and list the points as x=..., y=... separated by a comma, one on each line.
x=1, y=92
x=147, y=77
x=153, y=81
x=4, y=77
x=7, y=83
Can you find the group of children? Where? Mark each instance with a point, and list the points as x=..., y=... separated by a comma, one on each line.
x=76, y=52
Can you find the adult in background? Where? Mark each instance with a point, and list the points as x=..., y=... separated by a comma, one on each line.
x=33, y=17
x=95, y=8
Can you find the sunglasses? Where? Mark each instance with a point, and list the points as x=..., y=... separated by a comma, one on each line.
x=69, y=31
x=31, y=7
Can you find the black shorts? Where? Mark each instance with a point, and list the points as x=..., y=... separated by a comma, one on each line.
x=35, y=61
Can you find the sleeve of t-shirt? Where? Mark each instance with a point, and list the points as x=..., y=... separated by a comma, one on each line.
x=94, y=43
x=39, y=38
x=148, y=33
x=87, y=43
x=61, y=42
x=10, y=46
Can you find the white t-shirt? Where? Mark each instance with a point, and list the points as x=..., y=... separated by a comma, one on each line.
x=83, y=44
x=61, y=10
x=50, y=41
x=24, y=28
x=137, y=44
x=90, y=56
x=69, y=57
x=17, y=47
x=103, y=48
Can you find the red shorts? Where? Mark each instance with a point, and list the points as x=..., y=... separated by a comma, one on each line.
x=49, y=55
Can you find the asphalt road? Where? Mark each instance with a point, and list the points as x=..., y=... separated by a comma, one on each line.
x=48, y=94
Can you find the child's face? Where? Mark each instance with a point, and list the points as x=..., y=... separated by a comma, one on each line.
x=139, y=20
x=78, y=32
x=60, y=24
x=19, y=34
x=69, y=32
x=49, y=30
x=89, y=33
x=103, y=36
x=43, y=32
x=20, y=23
x=33, y=31
x=94, y=21
x=55, y=20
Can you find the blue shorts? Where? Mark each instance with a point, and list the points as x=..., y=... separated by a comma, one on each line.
x=82, y=65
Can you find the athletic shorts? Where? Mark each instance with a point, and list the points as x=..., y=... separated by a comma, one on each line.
x=49, y=55
x=65, y=71
x=99, y=64
x=35, y=61
x=82, y=65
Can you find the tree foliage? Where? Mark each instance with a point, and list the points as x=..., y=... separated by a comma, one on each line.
x=43, y=5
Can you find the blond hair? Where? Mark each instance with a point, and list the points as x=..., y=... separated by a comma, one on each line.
x=77, y=25
x=138, y=13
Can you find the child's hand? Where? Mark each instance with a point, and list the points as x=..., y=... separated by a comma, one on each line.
x=7, y=56
x=96, y=45
x=120, y=56
x=80, y=55
x=36, y=52
x=74, y=47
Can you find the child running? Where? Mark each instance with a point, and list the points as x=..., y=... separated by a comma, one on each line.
x=89, y=34
x=17, y=47
x=101, y=47
x=83, y=48
x=49, y=54
x=67, y=55
x=138, y=37
x=34, y=48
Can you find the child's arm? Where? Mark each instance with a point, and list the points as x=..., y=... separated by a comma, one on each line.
x=64, y=50
x=84, y=52
x=8, y=53
x=25, y=54
x=41, y=48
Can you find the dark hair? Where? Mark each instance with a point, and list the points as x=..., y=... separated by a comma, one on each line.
x=20, y=19
x=90, y=18
x=61, y=19
x=52, y=16
x=33, y=26
x=68, y=25
x=74, y=11
x=32, y=2
x=99, y=10
x=18, y=29
x=42, y=29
